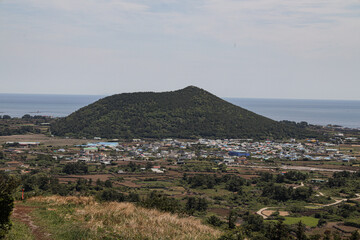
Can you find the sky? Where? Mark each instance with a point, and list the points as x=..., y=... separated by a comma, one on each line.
x=304, y=49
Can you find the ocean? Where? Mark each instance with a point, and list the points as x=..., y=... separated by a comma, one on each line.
x=320, y=112
x=17, y=105
x=345, y=113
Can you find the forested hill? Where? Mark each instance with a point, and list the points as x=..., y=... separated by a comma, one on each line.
x=187, y=113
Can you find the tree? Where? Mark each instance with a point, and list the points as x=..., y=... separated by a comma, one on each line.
x=99, y=182
x=108, y=184
x=201, y=205
x=321, y=222
x=233, y=234
x=148, y=165
x=160, y=202
x=77, y=167
x=111, y=195
x=190, y=205
x=8, y=185
x=253, y=222
x=300, y=231
x=278, y=231
x=214, y=220
x=232, y=219
x=196, y=204
x=133, y=197
x=355, y=236
x=327, y=235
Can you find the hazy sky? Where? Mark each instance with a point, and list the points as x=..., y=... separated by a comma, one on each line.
x=232, y=48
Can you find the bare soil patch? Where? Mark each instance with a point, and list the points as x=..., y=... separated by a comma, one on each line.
x=73, y=178
x=281, y=213
x=21, y=213
x=220, y=211
x=54, y=141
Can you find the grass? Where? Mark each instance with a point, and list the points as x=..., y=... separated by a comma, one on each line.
x=354, y=220
x=308, y=221
x=84, y=218
x=313, y=207
x=19, y=231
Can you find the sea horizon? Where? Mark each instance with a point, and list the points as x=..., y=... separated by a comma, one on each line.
x=223, y=97
x=345, y=113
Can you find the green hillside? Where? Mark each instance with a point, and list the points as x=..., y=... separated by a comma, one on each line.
x=187, y=113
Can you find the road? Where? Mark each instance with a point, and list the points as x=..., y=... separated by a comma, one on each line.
x=299, y=168
x=260, y=212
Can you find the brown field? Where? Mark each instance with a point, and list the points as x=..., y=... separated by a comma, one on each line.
x=73, y=178
x=43, y=139
x=334, y=227
x=281, y=213
x=220, y=211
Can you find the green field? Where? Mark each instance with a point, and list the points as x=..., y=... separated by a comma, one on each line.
x=308, y=221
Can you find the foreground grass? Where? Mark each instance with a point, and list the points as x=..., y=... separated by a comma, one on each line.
x=84, y=218
x=19, y=231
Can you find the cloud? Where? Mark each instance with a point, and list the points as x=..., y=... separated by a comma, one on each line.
x=90, y=6
x=195, y=40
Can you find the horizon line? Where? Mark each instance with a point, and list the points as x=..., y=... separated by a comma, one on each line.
x=106, y=95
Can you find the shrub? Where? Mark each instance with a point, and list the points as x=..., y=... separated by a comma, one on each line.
x=7, y=186
x=214, y=220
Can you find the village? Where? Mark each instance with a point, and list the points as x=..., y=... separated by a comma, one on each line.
x=231, y=152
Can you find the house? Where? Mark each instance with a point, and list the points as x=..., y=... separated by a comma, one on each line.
x=317, y=180
x=13, y=164
x=157, y=169
x=239, y=153
x=90, y=149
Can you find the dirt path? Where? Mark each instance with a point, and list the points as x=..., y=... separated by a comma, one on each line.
x=21, y=213
x=301, y=185
x=260, y=212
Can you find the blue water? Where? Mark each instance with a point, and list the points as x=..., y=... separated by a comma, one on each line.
x=17, y=105
x=320, y=112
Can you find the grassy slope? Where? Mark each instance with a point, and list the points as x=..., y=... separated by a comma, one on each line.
x=83, y=218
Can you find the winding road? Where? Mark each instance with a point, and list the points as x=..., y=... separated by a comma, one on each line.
x=260, y=212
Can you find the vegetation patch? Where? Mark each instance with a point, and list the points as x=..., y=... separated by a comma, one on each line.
x=84, y=218
x=18, y=231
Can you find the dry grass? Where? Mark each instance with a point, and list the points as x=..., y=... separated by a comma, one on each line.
x=127, y=221
x=57, y=200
